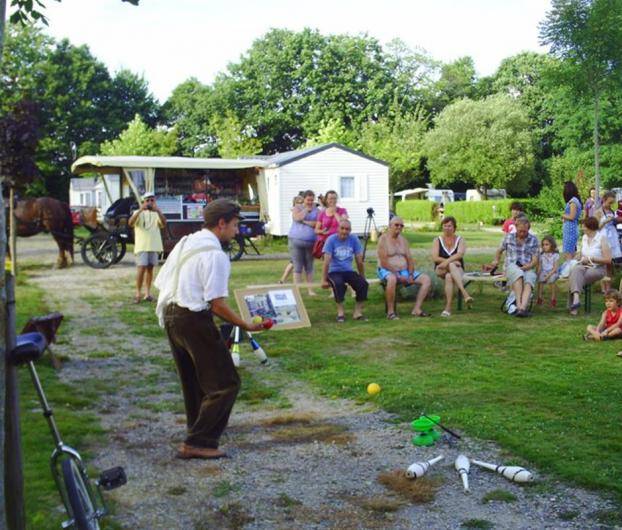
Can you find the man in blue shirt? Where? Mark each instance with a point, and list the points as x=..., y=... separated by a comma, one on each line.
x=339, y=250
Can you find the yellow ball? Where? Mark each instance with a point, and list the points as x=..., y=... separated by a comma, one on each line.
x=257, y=319
x=373, y=389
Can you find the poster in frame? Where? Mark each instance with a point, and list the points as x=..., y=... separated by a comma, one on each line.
x=283, y=304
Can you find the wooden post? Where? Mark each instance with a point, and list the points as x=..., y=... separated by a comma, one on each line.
x=13, y=478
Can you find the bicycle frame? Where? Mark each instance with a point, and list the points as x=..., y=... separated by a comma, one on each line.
x=60, y=450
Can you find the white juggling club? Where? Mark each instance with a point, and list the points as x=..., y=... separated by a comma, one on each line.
x=418, y=469
x=513, y=473
x=235, y=350
x=463, y=466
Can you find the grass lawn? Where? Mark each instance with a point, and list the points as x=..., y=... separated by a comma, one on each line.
x=532, y=385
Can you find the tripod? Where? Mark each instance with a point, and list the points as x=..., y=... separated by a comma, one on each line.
x=370, y=223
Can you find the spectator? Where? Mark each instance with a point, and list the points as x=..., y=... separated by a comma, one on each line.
x=607, y=221
x=328, y=220
x=516, y=208
x=609, y=325
x=289, y=268
x=301, y=237
x=147, y=222
x=521, y=259
x=448, y=256
x=337, y=271
x=595, y=254
x=548, y=269
x=591, y=204
x=570, y=218
x=396, y=266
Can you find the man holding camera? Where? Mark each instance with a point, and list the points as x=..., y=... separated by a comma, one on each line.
x=147, y=222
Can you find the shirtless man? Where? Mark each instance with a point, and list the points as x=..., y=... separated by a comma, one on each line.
x=396, y=265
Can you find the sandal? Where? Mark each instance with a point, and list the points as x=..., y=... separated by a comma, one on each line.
x=362, y=318
x=137, y=299
x=468, y=302
x=445, y=314
x=341, y=318
x=148, y=298
x=421, y=314
x=392, y=316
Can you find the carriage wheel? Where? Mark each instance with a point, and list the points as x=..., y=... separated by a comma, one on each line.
x=235, y=248
x=99, y=250
x=121, y=249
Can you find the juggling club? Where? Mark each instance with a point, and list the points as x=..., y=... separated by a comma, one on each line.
x=257, y=349
x=513, y=473
x=418, y=469
x=463, y=466
x=235, y=350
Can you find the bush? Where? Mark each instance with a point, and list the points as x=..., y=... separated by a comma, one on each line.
x=416, y=210
x=488, y=212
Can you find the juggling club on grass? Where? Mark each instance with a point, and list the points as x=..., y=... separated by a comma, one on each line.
x=513, y=473
x=463, y=466
x=418, y=469
x=257, y=349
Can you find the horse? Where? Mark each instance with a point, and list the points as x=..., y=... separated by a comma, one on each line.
x=50, y=216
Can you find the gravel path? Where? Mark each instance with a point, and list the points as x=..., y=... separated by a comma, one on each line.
x=315, y=464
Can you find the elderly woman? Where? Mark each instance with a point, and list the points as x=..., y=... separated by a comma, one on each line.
x=595, y=255
x=570, y=218
x=448, y=256
x=301, y=237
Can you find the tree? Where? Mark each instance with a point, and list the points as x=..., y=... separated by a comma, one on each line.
x=457, y=80
x=333, y=131
x=140, y=140
x=234, y=139
x=398, y=139
x=19, y=135
x=485, y=143
x=289, y=85
x=587, y=36
x=79, y=102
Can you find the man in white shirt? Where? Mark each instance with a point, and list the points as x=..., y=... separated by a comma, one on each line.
x=193, y=286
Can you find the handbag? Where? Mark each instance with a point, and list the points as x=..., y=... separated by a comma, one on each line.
x=318, y=248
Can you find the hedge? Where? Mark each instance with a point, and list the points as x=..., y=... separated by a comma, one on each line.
x=488, y=212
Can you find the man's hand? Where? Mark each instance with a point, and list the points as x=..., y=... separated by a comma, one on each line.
x=251, y=326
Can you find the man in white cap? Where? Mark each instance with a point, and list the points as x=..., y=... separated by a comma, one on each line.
x=147, y=222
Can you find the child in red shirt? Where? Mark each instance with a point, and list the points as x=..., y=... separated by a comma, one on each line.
x=610, y=321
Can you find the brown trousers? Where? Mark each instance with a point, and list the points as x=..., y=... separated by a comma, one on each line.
x=209, y=381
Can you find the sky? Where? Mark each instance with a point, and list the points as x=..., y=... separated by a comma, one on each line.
x=168, y=41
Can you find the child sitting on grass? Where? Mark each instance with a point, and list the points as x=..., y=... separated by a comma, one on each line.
x=548, y=268
x=610, y=321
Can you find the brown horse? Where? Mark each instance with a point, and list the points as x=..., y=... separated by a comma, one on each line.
x=48, y=215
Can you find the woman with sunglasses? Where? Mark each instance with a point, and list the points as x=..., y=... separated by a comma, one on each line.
x=448, y=251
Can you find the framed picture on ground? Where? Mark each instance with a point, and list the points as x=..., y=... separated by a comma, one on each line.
x=282, y=304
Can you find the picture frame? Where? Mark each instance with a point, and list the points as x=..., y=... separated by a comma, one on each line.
x=281, y=303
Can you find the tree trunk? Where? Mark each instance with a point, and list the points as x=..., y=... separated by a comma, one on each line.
x=13, y=477
x=3, y=518
x=597, y=143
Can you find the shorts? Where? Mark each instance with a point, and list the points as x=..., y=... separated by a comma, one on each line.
x=553, y=278
x=513, y=273
x=384, y=273
x=147, y=259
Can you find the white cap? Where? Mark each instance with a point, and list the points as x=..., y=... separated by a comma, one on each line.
x=148, y=195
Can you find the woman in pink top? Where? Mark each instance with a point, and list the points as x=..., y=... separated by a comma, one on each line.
x=328, y=220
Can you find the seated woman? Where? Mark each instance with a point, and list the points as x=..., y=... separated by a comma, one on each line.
x=448, y=255
x=595, y=255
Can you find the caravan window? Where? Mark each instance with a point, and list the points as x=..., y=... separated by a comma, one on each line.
x=346, y=187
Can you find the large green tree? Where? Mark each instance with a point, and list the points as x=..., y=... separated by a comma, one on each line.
x=485, y=143
x=80, y=103
x=290, y=85
x=587, y=36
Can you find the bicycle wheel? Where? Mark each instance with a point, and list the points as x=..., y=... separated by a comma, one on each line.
x=83, y=509
x=121, y=249
x=99, y=250
x=236, y=248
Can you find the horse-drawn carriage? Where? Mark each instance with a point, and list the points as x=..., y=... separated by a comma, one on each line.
x=182, y=186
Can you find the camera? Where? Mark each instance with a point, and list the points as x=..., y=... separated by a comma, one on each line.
x=370, y=211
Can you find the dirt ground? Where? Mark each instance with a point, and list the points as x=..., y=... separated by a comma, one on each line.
x=299, y=461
